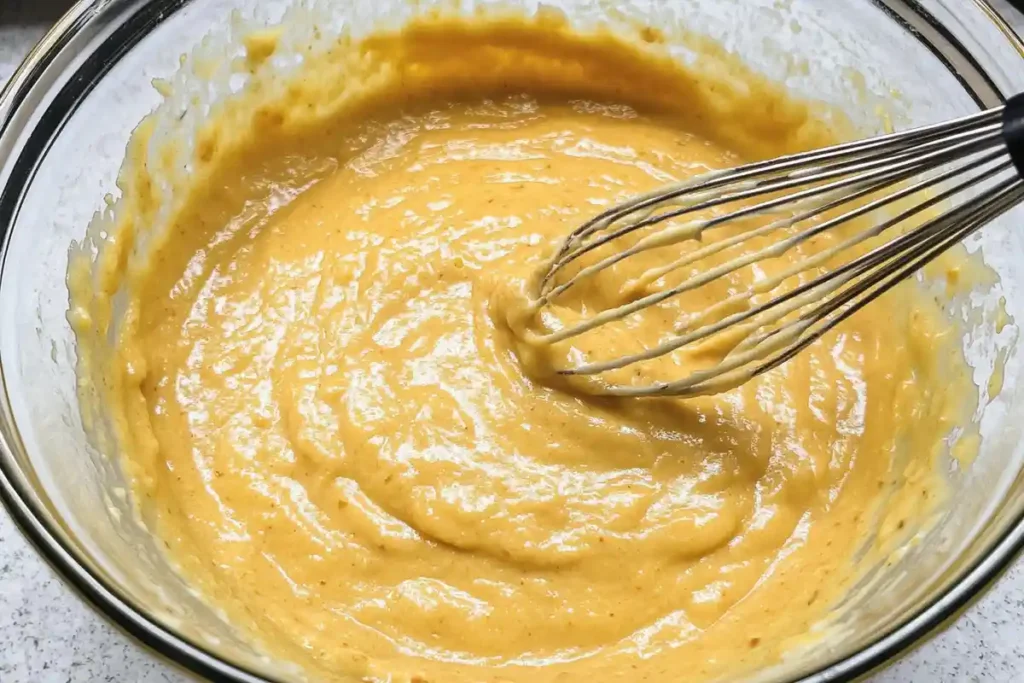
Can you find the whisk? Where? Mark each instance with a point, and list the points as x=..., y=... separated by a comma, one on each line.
x=951, y=179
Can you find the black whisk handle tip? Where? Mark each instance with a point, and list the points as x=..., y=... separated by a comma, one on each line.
x=1013, y=130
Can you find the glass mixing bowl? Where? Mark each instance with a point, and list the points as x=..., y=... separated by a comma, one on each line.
x=67, y=113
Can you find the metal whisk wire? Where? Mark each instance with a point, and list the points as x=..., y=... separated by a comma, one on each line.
x=927, y=167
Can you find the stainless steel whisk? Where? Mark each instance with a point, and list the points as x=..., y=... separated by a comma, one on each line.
x=971, y=169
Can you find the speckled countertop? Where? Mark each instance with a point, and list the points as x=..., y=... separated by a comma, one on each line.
x=48, y=635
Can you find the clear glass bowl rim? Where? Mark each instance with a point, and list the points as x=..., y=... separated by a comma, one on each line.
x=131, y=21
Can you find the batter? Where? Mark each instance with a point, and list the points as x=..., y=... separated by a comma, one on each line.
x=327, y=423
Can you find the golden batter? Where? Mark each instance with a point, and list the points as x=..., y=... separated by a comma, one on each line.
x=326, y=422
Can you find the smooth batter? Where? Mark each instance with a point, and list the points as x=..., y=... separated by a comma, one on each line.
x=328, y=425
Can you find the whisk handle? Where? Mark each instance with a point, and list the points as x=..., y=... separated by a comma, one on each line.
x=1013, y=130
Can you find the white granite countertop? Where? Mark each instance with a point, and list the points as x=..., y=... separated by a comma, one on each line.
x=48, y=635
